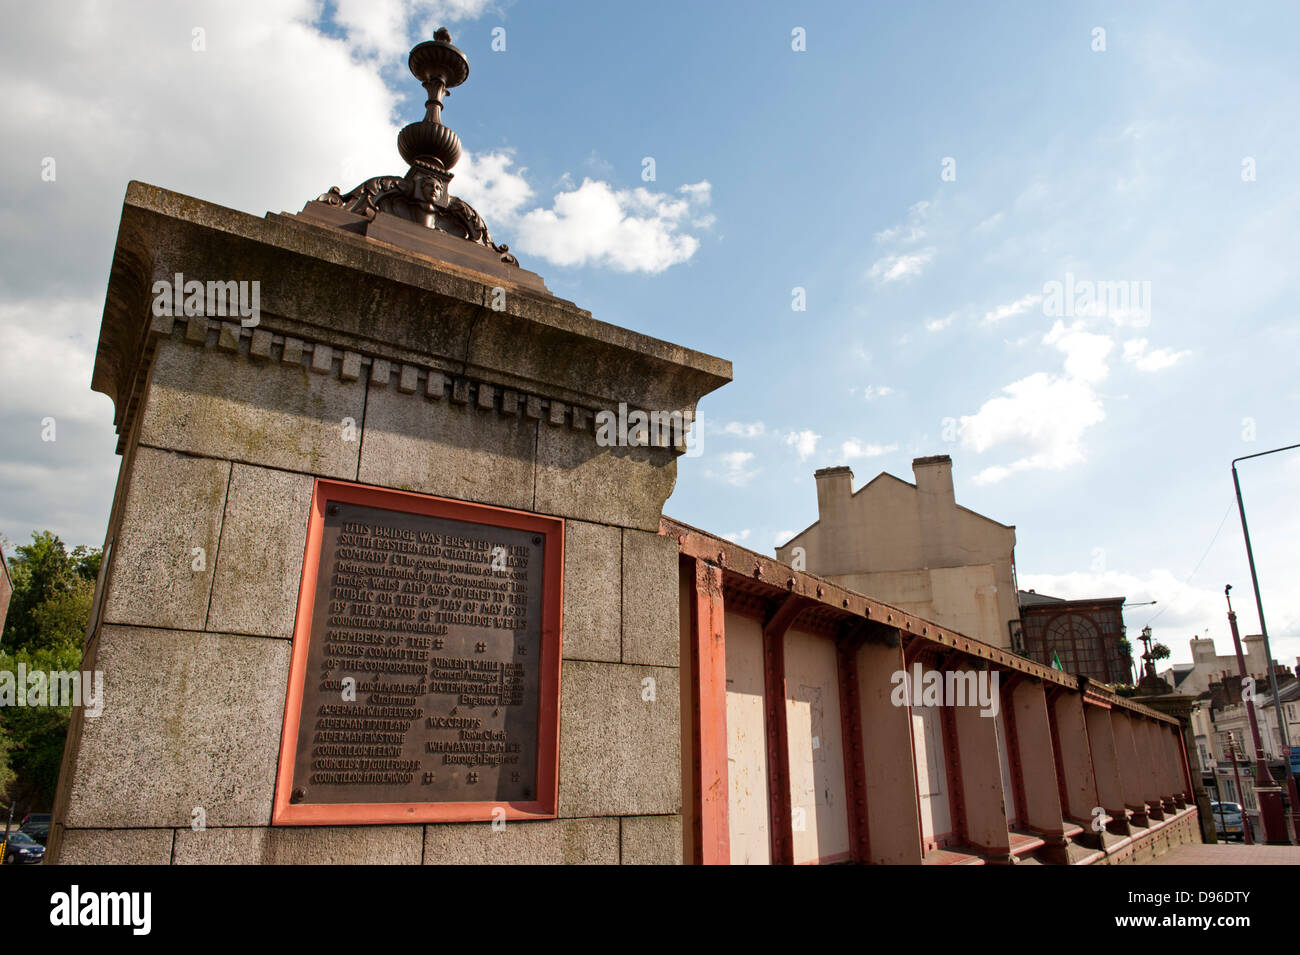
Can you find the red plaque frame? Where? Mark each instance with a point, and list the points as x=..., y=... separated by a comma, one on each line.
x=287, y=813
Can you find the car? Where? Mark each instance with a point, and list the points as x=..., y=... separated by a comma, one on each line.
x=1227, y=820
x=36, y=825
x=22, y=849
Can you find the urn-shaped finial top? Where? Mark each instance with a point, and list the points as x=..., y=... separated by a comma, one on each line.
x=438, y=66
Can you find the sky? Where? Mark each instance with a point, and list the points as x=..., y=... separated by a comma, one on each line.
x=1055, y=242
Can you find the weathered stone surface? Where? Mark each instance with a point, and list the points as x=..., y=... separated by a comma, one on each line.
x=302, y=845
x=619, y=753
x=617, y=485
x=228, y=336
x=652, y=840
x=259, y=566
x=189, y=720
x=549, y=842
x=651, y=627
x=260, y=346
x=322, y=359
x=316, y=277
x=279, y=415
x=454, y=450
x=173, y=506
x=116, y=847
x=592, y=557
x=351, y=369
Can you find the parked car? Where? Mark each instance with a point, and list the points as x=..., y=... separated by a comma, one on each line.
x=37, y=825
x=1227, y=820
x=22, y=849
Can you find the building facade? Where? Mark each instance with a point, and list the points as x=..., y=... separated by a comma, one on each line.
x=1208, y=666
x=911, y=545
x=1085, y=635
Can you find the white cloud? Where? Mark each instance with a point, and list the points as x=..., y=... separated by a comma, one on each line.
x=743, y=430
x=872, y=392
x=629, y=230
x=1135, y=353
x=736, y=469
x=805, y=443
x=853, y=448
x=1044, y=416
x=911, y=231
x=782, y=537
x=380, y=26
x=487, y=183
x=1085, y=352
x=1013, y=308
x=939, y=324
x=737, y=537
x=894, y=268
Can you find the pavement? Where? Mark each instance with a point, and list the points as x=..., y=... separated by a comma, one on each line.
x=1229, y=854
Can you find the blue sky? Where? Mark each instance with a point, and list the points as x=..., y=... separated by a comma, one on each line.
x=1166, y=159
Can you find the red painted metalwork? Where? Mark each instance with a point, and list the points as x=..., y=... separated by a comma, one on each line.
x=780, y=822
x=1062, y=786
x=757, y=586
x=956, y=783
x=1019, y=812
x=1189, y=794
x=709, y=708
x=544, y=807
x=739, y=562
x=855, y=770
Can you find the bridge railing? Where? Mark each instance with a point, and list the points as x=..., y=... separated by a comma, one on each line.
x=822, y=726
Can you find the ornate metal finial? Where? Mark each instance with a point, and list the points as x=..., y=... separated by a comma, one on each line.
x=438, y=66
x=430, y=149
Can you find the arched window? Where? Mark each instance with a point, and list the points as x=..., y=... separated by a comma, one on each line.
x=1076, y=641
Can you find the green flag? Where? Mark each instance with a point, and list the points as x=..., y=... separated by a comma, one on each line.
x=1056, y=662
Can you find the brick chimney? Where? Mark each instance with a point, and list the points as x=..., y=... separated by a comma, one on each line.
x=834, y=488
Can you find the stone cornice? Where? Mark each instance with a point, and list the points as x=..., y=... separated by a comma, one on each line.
x=351, y=293
x=417, y=380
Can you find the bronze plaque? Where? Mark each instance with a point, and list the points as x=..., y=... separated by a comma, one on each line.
x=424, y=665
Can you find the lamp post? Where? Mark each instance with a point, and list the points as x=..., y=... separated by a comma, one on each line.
x=1290, y=790
x=1247, y=836
x=1272, y=812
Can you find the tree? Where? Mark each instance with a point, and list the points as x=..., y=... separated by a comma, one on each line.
x=45, y=631
x=50, y=587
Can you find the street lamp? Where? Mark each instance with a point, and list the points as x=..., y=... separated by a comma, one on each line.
x=1263, y=629
x=1272, y=811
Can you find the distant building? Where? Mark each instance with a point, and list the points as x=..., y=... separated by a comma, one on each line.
x=1084, y=635
x=1221, y=725
x=913, y=546
x=1207, y=666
